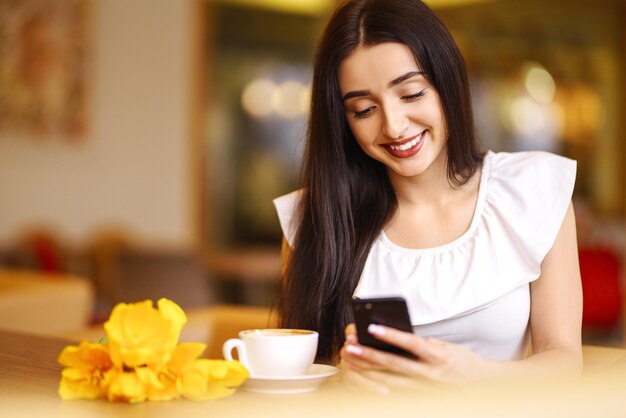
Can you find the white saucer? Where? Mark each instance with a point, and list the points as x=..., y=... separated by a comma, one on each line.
x=317, y=374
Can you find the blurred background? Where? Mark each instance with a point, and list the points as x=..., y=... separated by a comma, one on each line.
x=142, y=142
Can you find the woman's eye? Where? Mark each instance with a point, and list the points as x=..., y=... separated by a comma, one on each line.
x=412, y=97
x=363, y=113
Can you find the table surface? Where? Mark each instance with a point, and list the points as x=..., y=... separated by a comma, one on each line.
x=29, y=377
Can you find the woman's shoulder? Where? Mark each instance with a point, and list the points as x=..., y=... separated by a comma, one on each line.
x=532, y=177
x=529, y=177
x=527, y=194
x=519, y=181
x=529, y=164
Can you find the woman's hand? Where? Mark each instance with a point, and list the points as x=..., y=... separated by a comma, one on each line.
x=437, y=361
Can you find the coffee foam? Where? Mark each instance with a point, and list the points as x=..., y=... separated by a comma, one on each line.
x=278, y=332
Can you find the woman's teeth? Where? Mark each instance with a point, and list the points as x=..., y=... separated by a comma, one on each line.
x=404, y=147
x=407, y=145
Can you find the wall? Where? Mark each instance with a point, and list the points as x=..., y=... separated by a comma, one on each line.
x=132, y=171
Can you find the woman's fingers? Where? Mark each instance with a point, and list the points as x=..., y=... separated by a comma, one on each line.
x=421, y=348
x=437, y=361
x=430, y=354
x=352, y=354
x=373, y=359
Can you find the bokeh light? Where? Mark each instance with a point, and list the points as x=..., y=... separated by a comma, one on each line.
x=539, y=83
x=257, y=97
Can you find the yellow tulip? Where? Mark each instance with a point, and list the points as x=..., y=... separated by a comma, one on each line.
x=143, y=360
x=140, y=335
x=86, y=366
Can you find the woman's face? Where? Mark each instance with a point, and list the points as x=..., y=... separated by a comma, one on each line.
x=393, y=111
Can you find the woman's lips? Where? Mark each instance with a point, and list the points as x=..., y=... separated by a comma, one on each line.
x=407, y=147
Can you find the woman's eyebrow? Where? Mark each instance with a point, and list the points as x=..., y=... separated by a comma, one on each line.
x=392, y=83
x=403, y=78
x=355, y=93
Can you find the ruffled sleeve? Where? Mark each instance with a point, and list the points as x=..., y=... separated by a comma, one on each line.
x=286, y=206
x=532, y=192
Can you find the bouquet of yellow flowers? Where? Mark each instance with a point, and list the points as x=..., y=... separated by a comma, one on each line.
x=141, y=359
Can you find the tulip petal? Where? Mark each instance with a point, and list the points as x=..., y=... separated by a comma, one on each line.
x=172, y=312
x=148, y=377
x=127, y=387
x=184, y=354
x=85, y=355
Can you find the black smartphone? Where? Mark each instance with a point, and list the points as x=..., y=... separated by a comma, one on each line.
x=388, y=311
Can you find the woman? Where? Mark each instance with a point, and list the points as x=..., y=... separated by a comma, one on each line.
x=397, y=200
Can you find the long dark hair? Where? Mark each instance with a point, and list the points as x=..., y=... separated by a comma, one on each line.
x=346, y=195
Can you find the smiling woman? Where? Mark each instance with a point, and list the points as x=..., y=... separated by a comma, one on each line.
x=396, y=200
x=393, y=120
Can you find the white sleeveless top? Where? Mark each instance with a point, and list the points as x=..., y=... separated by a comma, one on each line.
x=475, y=290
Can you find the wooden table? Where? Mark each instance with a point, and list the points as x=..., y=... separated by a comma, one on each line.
x=29, y=375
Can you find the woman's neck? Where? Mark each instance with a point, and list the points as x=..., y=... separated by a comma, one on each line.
x=431, y=212
x=431, y=187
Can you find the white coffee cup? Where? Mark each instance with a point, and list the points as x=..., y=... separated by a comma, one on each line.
x=274, y=352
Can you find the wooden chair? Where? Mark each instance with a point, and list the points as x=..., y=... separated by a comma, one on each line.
x=44, y=303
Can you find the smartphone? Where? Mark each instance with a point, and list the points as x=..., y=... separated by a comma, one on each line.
x=388, y=311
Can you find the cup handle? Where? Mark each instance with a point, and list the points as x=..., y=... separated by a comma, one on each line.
x=236, y=343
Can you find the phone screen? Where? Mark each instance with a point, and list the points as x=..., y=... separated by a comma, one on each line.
x=389, y=311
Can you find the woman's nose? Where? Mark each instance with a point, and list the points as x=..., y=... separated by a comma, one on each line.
x=395, y=123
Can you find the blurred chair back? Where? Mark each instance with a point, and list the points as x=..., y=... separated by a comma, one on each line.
x=44, y=303
x=126, y=272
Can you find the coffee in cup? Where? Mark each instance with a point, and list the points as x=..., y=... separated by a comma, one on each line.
x=274, y=352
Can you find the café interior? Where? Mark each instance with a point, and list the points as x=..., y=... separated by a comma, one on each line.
x=142, y=143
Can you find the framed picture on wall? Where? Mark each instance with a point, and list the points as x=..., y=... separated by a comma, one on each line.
x=43, y=68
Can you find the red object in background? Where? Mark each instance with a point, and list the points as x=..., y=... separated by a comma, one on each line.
x=47, y=253
x=602, y=291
